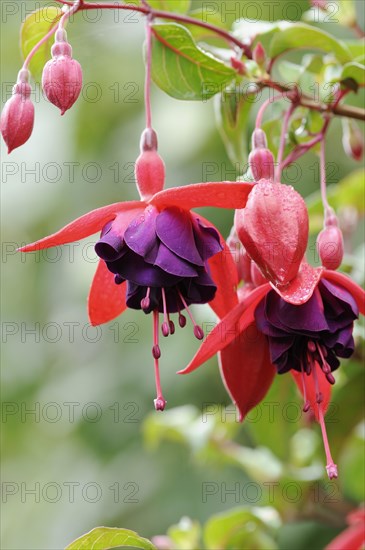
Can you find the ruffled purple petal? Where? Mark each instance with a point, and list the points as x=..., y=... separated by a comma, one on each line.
x=140, y=235
x=206, y=239
x=169, y=262
x=174, y=229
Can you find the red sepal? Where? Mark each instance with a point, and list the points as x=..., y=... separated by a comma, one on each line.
x=86, y=225
x=196, y=195
x=106, y=299
x=323, y=385
x=223, y=271
x=246, y=369
x=353, y=288
x=228, y=329
x=301, y=288
x=352, y=538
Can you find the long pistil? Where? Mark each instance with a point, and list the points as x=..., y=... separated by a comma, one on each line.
x=160, y=401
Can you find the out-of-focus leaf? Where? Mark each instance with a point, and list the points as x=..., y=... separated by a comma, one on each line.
x=259, y=463
x=357, y=48
x=185, y=535
x=181, y=69
x=207, y=16
x=348, y=192
x=244, y=528
x=34, y=28
x=259, y=31
x=102, y=538
x=341, y=11
x=176, y=6
x=232, y=110
x=299, y=35
x=352, y=466
x=290, y=71
x=302, y=535
x=354, y=71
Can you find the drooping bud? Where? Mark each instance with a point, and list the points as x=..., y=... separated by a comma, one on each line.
x=330, y=244
x=259, y=54
x=150, y=168
x=273, y=228
x=17, y=118
x=352, y=139
x=261, y=159
x=62, y=75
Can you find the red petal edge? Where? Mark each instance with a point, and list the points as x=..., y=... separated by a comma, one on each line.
x=220, y=195
x=106, y=299
x=224, y=273
x=353, y=288
x=82, y=227
x=301, y=288
x=227, y=330
x=246, y=369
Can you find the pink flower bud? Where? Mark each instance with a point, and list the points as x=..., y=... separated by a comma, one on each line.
x=259, y=54
x=238, y=65
x=261, y=159
x=273, y=228
x=150, y=168
x=62, y=75
x=352, y=139
x=17, y=118
x=330, y=244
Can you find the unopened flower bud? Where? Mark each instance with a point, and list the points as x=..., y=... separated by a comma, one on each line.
x=259, y=54
x=352, y=139
x=17, y=118
x=62, y=75
x=261, y=159
x=238, y=65
x=273, y=228
x=150, y=168
x=330, y=244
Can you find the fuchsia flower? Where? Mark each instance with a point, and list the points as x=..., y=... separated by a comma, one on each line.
x=155, y=254
x=300, y=319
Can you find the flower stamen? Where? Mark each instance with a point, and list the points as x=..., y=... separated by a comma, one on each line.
x=306, y=405
x=160, y=401
x=146, y=302
x=165, y=327
x=198, y=331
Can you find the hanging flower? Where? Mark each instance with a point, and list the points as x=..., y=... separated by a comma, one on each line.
x=157, y=255
x=303, y=329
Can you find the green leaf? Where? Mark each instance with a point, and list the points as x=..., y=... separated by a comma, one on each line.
x=352, y=467
x=185, y=535
x=34, y=28
x=299, y=35
x=232, y=110
x=354, y=71
x=102, y=538
x=181, y=69
x=356, y=47
x=244, y=528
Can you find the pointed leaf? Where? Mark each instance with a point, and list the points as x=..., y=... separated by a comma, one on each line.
x=34, y=28
x=86, y=225
x=301, y=288
x=300, y=35
x=229, y=328
x=353, y=288
x=103, y=538
x=246, y=369
x=181, y=69
x=196, y=195
x=353, y=71
x=106, y=299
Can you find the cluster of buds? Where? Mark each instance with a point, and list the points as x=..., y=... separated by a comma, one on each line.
x=61, y=82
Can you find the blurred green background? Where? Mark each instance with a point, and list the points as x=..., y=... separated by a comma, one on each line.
x=84, y=457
